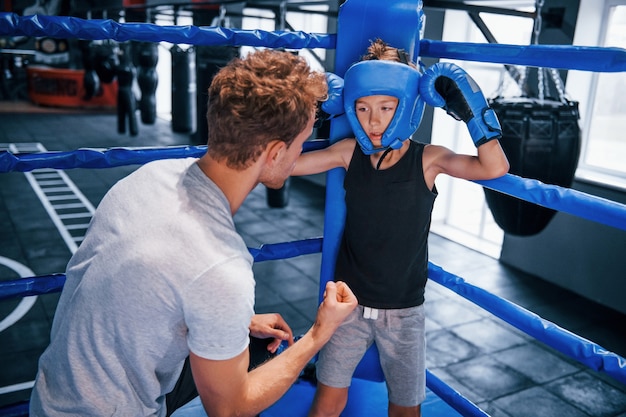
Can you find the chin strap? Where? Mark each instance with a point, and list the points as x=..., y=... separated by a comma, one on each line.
x=380, y=161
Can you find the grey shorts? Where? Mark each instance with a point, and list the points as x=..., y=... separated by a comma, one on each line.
x=399, y=337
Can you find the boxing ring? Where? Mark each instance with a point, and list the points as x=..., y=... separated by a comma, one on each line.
x=441, y=399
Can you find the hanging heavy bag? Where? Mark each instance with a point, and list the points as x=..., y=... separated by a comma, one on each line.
x=147, y=57
x=209, y=60
x=183, y=89
x=541, y=139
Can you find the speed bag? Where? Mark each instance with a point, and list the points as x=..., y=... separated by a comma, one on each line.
x=541, y=139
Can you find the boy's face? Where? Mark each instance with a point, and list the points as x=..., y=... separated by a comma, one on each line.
x=375, y=113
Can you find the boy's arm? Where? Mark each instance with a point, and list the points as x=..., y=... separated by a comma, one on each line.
x=336, y=155
x=491, y=162
x=448, y=86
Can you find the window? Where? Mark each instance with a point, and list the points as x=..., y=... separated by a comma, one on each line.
x=461, y=212
x=604, y=150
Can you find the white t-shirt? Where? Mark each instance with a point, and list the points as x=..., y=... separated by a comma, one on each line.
x=162, y=271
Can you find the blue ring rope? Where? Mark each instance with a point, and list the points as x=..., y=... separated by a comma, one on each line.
x=452, y=397
x=572, y=345
x=107, y=158
x=584, y=58
x=570, y=201
x=576, y=347
x=100, y=29
x=45, y=284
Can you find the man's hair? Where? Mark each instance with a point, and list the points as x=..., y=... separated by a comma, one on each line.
x=265, y=96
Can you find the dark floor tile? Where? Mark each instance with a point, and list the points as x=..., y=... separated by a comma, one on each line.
x=245, y=216
x=432, y=326
x=492, y=410
x=309, y=265
x=251, y=241
x=28, y=360
x=537, y=363
x=490, y=378
x=468, y=393
x=265, y=295
x=50, y=263
x=435, y=292
x=15, y=398
x=444, y=348
x=535, y=402
x=267, y=233
x=32, y=331
x=49, y=303
x=589, y=394
x=270, y=272
x=294, y=289
x=490, y=336
x=450, y=312
x=294, y=316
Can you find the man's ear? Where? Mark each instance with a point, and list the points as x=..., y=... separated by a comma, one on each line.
x=275, y=150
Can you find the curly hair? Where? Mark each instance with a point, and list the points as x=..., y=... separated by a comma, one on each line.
x=265, y=96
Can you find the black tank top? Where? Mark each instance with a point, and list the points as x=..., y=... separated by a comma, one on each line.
x=383, y=255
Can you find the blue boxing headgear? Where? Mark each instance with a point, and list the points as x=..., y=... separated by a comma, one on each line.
x=389, y=78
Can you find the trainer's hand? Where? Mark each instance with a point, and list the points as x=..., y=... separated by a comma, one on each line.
x=338, y=303
x=271, y=325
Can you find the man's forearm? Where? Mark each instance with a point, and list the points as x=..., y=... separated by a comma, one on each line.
x=270, y=381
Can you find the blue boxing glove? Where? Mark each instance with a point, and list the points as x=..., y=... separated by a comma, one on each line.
x=448, y=86
x=333, y=106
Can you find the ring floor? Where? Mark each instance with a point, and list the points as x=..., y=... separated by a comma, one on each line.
x=502, y=370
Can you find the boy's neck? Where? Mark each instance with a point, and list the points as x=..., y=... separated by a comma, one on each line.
x=391, y=158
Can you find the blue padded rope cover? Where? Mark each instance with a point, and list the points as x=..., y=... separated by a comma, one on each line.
x=93, y=158
x=45, y=284
x=572, y=345
x=453, y=398
x=99, y=29
x=586, y=352
x=584, y=58
x=563, y=199
x=25, y=287
x=107, y=158
x=361, y=21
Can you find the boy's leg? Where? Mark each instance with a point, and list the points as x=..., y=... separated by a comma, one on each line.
x=402, y=356
x=399, y=411
x=336, y=363
x=328, y=401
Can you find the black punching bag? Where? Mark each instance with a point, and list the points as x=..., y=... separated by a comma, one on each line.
x=126, y=101
x=541, y=139
x=209, y=60
x=147, y=57
x=183, y=89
